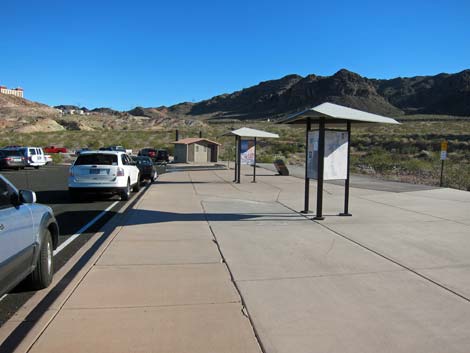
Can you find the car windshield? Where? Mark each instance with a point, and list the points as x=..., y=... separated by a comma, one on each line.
x=96, y=159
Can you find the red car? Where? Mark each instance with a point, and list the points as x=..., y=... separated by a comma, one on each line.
x=54, y=149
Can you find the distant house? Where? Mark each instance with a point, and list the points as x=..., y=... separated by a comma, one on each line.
x=18, y=92
x=196, y=150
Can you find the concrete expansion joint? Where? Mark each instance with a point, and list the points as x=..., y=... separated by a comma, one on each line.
x=245, y=312
x=388, y=258
x=408, y=210
x=345, y=274
x=100, y=308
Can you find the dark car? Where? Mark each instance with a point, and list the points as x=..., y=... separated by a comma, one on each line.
x=146, y=167
x=12, y=159
x=157, y=155
x=81, y=150
x=113, y=148
x=162, y=156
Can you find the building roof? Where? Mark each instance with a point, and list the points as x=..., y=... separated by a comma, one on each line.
x=248, y=132
x=191, y=140
x=333, y=114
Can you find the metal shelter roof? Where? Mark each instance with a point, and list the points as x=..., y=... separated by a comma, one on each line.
x=191, y=140
x=248, y=132
x=335, y=114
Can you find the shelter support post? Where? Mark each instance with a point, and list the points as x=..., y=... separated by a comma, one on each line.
x=239, y=150
x=236, y=159
x=321, y=160
x=254, y=165
x=307, y=180
x=346, y=182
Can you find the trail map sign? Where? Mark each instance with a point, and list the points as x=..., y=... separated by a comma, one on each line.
x=247, y=150
x=336, y=155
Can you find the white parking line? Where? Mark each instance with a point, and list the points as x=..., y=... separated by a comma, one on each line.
x=83, y=229
x=80, y=231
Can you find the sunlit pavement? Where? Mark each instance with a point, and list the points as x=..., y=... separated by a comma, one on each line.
x=393, y=277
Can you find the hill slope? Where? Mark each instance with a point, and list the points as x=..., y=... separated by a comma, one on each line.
x=440, y=94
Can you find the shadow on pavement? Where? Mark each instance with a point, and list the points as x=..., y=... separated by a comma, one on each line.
x=57, y=197
x=138, y=217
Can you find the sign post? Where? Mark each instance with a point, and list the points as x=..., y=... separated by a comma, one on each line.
x=308, y=127
x=321, y=161
x=443, y=158
x=346, y=182
x=254, y=163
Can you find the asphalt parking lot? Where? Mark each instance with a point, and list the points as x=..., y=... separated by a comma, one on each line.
x=77, y=221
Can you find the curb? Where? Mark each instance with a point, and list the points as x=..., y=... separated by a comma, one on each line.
x=25, y=327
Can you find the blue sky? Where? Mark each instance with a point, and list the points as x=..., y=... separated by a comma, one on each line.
x=121, y=54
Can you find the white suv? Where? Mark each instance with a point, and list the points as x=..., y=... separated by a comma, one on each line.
x=103, y=171
x=34, y=156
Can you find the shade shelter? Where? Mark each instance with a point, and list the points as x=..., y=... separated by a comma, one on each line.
x=196, y=150
x=326, y=117
x=246, y=133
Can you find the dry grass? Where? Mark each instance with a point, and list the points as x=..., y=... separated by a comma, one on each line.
x=391, y=151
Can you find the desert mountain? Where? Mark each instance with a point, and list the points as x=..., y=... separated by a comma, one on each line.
x=440, y=94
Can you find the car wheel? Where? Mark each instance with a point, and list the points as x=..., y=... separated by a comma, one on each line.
x=136, y=186
x=36, y=167
x=126, y=193
x=44, y=271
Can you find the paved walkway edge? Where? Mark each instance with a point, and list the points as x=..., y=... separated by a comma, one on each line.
x=23, y=329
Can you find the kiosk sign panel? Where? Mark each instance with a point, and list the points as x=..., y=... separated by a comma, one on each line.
x=247, y=152
x=336, y=155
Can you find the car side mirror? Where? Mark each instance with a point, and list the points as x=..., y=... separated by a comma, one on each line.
x=27, y=196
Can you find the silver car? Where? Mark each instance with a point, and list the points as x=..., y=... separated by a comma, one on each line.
x=28, y=235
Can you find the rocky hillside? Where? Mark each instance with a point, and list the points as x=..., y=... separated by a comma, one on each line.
x=440, y=94
x=24, y=116
x=447, y=94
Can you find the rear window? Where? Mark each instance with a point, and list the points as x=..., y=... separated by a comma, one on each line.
x=143, y=161
x=32, y=151
x=11, y=152
x=97, y=159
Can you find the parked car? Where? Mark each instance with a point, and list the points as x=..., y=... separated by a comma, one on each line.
x=162, y=156
x=148, y=152
x=84, y=149
x=48, y=158
x=34, y=156
x=113, y=148
x=28, y=235
x=11, y=159
x=54, y=149
x=103, y=171
x=157, y=155
x=146, y=167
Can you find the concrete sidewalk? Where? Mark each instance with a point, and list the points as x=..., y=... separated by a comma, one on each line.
x=197, y=248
